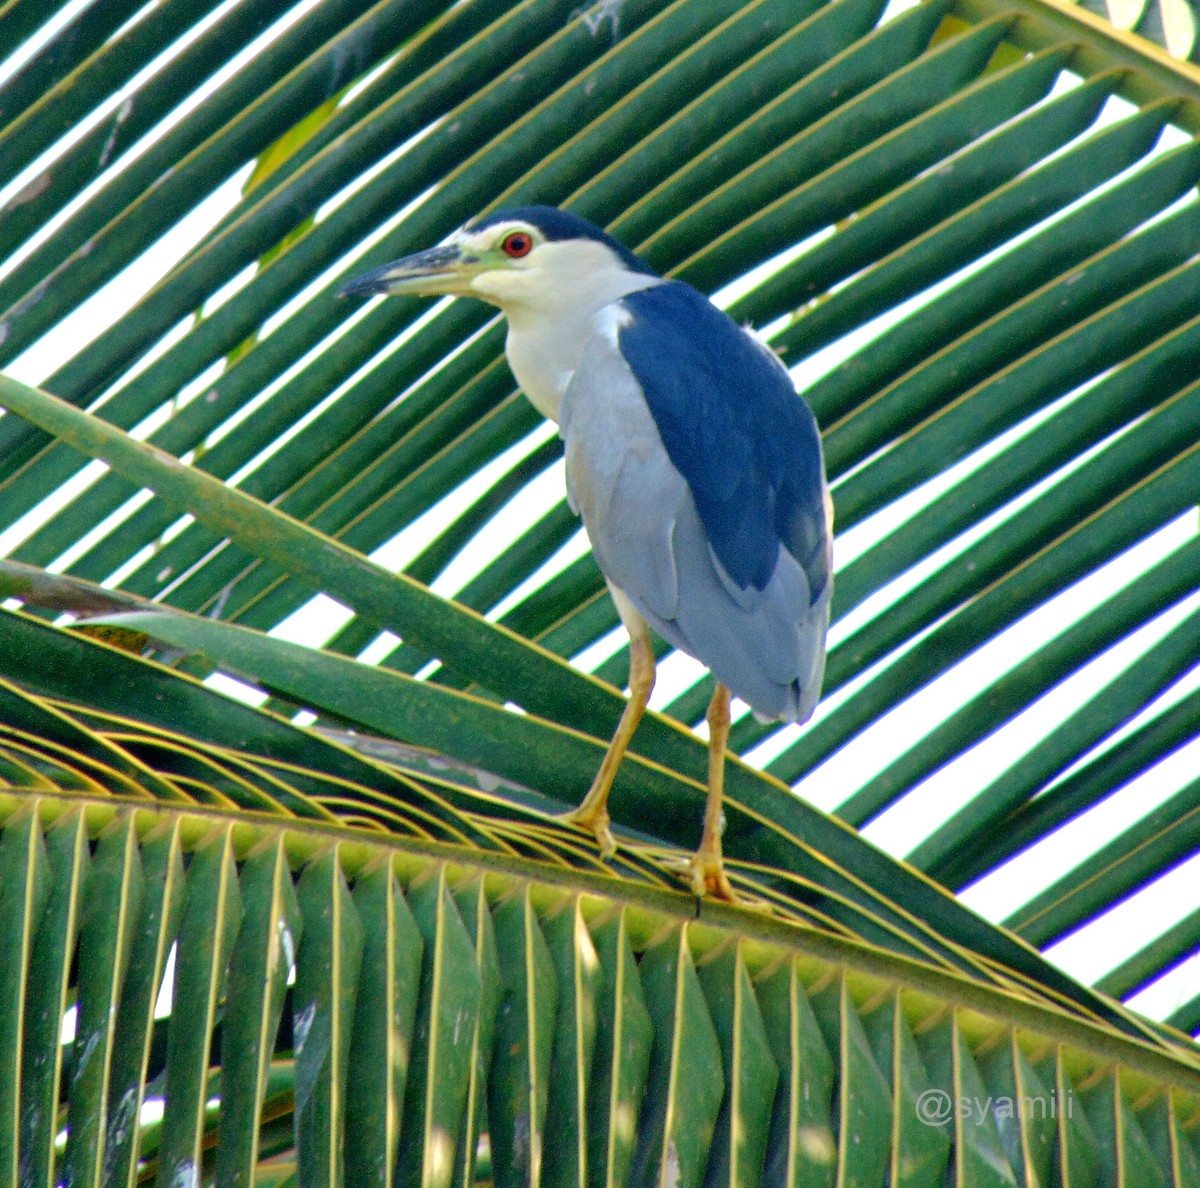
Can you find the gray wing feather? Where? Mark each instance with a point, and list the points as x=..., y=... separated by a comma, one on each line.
x=766, y=645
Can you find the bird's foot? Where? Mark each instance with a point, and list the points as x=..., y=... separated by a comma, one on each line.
x=708, y=877
x=596, y=822
x=705, y=873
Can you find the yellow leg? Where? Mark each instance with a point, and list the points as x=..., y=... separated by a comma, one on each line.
x=592, y=812
x=707, y=868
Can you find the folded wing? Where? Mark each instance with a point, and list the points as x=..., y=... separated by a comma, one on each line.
x=697, y=471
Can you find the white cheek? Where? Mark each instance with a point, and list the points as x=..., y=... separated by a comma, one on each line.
x=502, y=285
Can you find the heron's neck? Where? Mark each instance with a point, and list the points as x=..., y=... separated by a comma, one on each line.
x=545, y=340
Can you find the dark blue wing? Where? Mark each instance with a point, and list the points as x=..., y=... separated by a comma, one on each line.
x=734, y=427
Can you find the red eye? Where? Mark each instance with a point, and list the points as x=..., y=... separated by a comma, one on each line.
x=517, y=244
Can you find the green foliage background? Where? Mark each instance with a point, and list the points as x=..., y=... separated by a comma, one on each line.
x=386, y=951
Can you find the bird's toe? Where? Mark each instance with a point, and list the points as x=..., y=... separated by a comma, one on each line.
x=708, y=877
x=705, y=874
x=597, y=824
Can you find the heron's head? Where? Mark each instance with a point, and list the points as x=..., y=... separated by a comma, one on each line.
x=534, y=256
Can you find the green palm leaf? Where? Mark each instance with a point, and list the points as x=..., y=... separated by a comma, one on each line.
x=430, y=975
x=970, y=229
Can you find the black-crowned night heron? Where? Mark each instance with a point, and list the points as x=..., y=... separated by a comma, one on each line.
x=694, y=465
